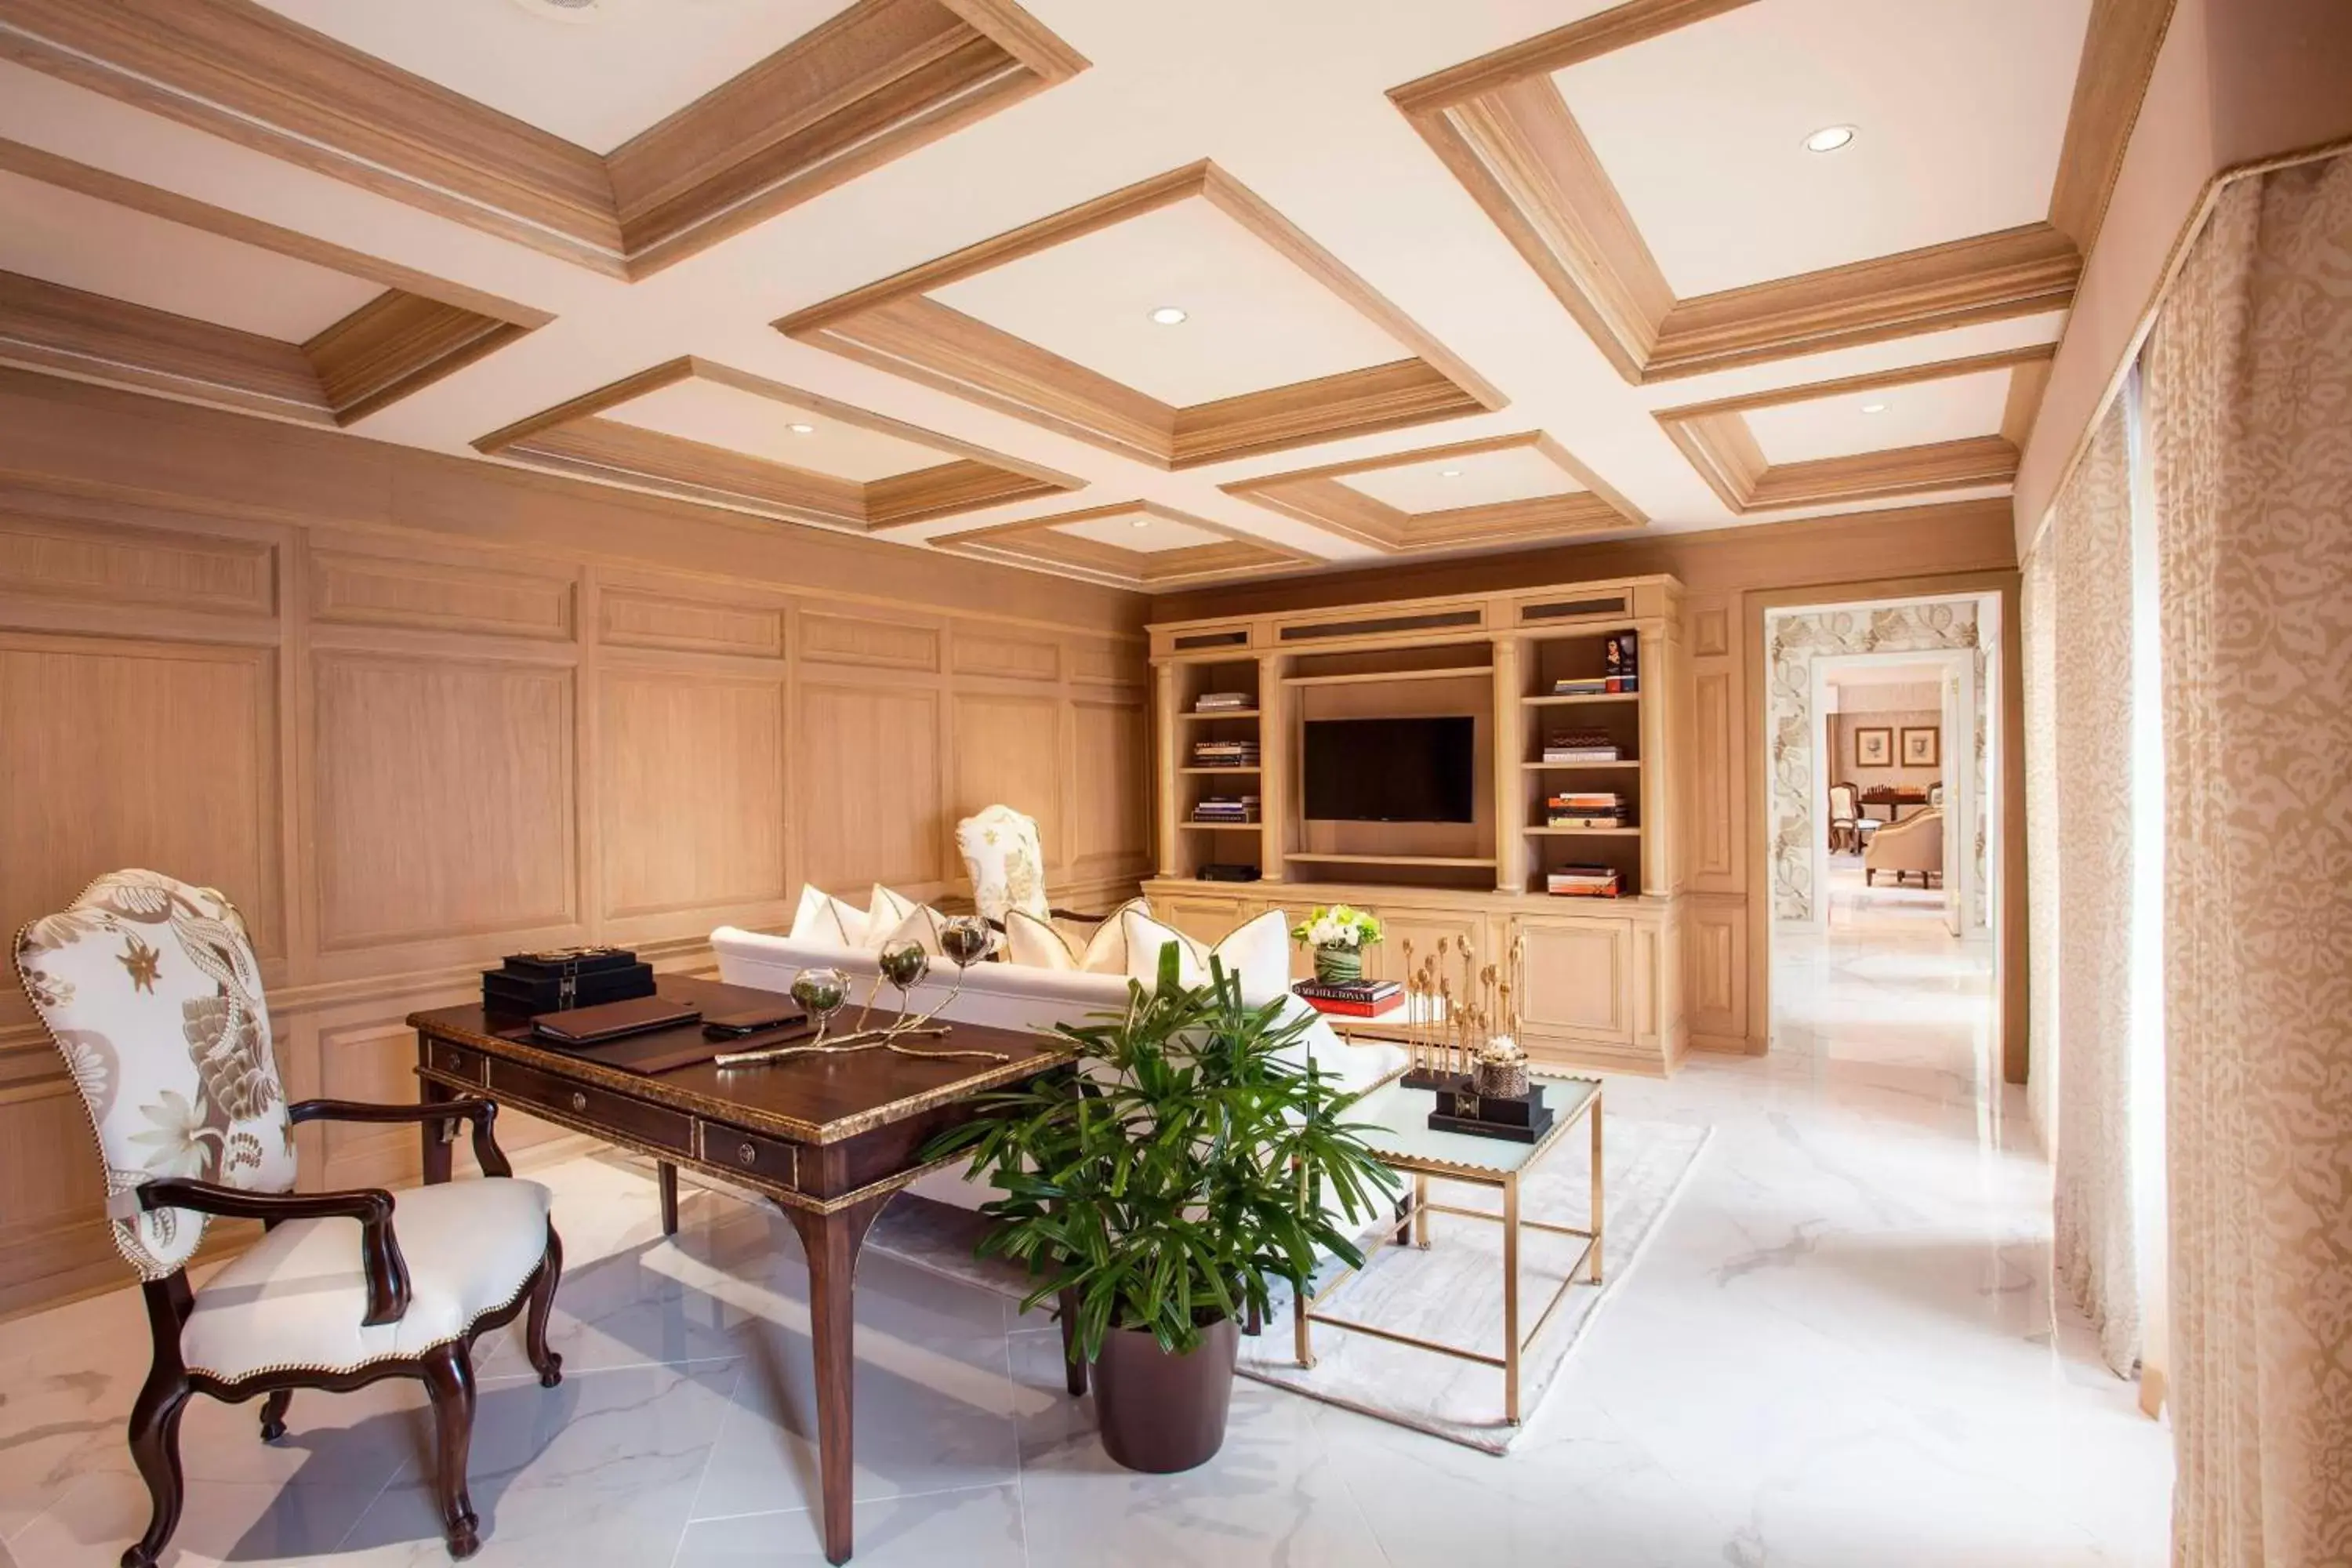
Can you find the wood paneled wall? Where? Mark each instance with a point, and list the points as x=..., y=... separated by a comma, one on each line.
x=412, y=712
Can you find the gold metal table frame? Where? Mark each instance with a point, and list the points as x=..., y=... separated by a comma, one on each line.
x=1415, y=1221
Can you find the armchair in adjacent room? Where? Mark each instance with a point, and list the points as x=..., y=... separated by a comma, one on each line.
x=150, y=990
x=1913, y=847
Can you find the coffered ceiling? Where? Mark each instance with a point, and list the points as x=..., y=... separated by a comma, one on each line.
x=1143, y=296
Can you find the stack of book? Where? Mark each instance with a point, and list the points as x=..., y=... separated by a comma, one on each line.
x=1582, y=882
x=1225, y=754
x=1582, y=686
x=1585, y=808
x=1222, y=702
x=1226, y=808
x=1621, y=655
x=1580, y=746
x=1353, y=998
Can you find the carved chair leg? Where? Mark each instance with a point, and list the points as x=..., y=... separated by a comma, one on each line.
x=449, y=1383
x=155, y=1448
x=545, y=1361
x=273, y=1415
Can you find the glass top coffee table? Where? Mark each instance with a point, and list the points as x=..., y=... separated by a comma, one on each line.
x=1394, y=1125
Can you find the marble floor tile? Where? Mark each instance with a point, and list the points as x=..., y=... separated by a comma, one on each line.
x=974, y=1529
x=600, y=1472
x=1842, y=1346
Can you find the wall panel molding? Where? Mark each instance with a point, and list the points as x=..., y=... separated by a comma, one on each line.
x=408, y=747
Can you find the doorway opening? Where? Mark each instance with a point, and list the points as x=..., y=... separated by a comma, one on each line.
x=1883, y=751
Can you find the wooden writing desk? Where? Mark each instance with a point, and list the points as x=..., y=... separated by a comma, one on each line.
x=828, y=1138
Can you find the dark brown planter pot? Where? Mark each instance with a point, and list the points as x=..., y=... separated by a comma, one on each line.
x=1161, y=1413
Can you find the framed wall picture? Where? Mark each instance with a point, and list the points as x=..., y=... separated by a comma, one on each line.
x=1922, y=746
x=1874, y=748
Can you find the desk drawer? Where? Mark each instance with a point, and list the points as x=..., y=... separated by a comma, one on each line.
x=732, y=1149
x=457, y=1061
x=633, y=1119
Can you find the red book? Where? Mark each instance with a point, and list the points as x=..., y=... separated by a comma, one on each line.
x=1387, y=1004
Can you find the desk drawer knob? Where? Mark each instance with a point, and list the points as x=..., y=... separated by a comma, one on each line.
x=579, y=1100
x=453, y=1061
x=746, y=1155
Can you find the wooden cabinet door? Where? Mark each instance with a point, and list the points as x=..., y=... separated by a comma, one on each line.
x=1207, y=920
x=1424, y=928
x=1579, y=977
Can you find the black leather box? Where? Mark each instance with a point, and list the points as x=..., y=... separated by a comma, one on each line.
x=533, y=983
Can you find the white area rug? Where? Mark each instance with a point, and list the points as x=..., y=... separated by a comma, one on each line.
x=1452, y=1292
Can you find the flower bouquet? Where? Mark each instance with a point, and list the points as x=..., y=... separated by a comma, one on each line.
x=1339, y=936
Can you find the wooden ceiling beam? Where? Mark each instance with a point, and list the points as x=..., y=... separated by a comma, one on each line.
x=868, y=85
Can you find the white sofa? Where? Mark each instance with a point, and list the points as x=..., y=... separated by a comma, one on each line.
x=1011, y=996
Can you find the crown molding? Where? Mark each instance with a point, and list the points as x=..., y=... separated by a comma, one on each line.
x=1499, y=124
x=895, y=326
x=1320, y=496
x=867, y=86
x=574, y=438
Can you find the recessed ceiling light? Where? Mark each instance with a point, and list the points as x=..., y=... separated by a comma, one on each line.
x=1874, y=409
x=801, y=429
x=1143, y=522
x=1829, y=139
x=1168, y=315
x=1449, y=473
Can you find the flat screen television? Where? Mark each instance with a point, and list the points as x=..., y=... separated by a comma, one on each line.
x=1390, y=770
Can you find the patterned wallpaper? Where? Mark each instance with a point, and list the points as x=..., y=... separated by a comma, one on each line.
x=1793, y=639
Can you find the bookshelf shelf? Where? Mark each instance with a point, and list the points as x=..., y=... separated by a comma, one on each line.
x=1222, y=713
x=1548, y=832
x=1455, y=860
x=1578, y=767
x=1386, y=676
x=1547, y=701
x=1222, y=826
x=1231, y=770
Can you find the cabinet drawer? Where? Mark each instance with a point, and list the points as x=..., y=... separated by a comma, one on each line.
x=732, y=1149
x=632, y=1120
x=457, y=1061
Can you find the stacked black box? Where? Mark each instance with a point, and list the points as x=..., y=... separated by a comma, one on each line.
x=533, y=983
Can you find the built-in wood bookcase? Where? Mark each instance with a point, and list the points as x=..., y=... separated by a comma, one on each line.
x=1604, y=974
x=1206, y=772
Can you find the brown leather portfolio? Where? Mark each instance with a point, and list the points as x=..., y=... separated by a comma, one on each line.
x=613, y=1020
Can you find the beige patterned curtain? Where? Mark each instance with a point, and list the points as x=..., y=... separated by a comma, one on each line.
x=2039, y=633
x=2248, y=406
x=2089, y=548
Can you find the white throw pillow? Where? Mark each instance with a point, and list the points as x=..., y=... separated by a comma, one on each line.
x=893, y=917
x=826, y=920
x=1043, y=944
x=1258, y=950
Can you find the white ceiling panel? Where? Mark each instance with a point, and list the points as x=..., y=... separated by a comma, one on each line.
x=1140, y=532
x=1959, y=111
x=62, y=236
x=1479, y=479
x=719, y=415
x=595, y=78
x=1909, y=416
x=1252, y=320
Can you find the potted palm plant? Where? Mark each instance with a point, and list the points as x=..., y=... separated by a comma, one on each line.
x=1190, y=1166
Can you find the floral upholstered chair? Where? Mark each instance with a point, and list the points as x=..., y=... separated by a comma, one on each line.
x=152, y=991
x=1006, y=859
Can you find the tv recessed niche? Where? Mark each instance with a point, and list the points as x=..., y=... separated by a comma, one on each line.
x=1390, y=770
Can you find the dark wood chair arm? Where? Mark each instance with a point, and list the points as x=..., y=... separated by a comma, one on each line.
x=1076, y=915
x=482, y=1113
x=386, y=1270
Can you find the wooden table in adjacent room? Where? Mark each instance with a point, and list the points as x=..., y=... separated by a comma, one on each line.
x=828, y=1138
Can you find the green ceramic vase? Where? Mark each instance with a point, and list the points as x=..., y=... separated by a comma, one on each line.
x=1339, y=965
